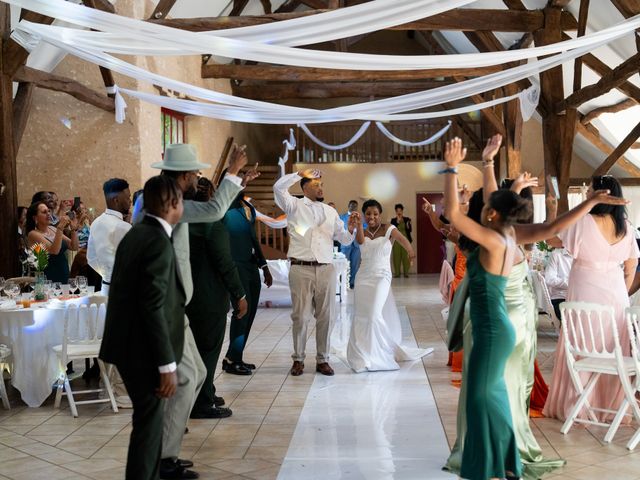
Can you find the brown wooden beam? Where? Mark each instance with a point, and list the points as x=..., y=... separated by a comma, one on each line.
x=238, y=7
x=628, y=8
x=332, y=90
x=625, y=182
x=21, y=110
x=607, y=82
x=104, y=6
x=582, y=27
x=462, y=19
x=619, y=151
x=58, y=83
x=13, y=54
x=266, y=6
x=288, y=6
x=593, y=136
x=162, y=9
x=618, y=107
x=601, y=68
x=303, y=74
x=514, y=4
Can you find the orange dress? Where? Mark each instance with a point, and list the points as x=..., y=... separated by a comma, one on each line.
x=460, y=268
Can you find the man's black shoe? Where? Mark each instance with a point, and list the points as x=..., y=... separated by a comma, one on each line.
x=172, y=470
x=213, y=412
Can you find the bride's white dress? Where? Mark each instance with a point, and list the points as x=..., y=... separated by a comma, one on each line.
x=375, y=341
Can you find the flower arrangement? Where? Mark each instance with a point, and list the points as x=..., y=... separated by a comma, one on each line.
x=543, y=246
x=39, y=257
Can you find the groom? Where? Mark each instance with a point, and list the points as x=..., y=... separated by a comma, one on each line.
x=312, y=227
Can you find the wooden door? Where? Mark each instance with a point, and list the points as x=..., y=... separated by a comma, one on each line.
x=431, y=249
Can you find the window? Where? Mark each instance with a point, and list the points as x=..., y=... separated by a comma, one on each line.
x=173, y=128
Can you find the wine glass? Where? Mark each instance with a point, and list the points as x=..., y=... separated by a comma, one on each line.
x=82, y=285
x=2, y=284
x=73, y=286
x=57, y=289
x=12, y=290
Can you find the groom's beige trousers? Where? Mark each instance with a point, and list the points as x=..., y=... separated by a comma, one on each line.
x=313, y=294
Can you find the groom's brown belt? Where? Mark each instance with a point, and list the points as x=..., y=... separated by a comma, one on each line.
x=307, y=263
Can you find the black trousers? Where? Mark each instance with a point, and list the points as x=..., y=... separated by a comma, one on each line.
x=145, y=444
x=208, y=332
x=556, y=306
x=240, y=327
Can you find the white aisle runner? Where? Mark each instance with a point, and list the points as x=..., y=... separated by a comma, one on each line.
x=369, y=426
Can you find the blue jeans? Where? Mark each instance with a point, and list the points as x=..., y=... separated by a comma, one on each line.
x=352, y=252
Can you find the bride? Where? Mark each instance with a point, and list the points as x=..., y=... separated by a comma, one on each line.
x=376, y=333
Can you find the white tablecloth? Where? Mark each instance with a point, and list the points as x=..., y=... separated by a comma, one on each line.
x=279, y=295
x=31, y=334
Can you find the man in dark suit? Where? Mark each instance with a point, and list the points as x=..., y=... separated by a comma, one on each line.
x=144, y=329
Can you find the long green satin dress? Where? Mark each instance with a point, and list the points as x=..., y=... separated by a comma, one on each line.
x=490, y=448
x=518, y=375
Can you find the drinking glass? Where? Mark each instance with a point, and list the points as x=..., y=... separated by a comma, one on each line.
x=57, y=289
x=73, y=286
x=2, y=284
x=12, y=290
x=82, y=285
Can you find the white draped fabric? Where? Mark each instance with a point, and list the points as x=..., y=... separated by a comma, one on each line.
x=184, y=42
x=363, y=128
x=433, y=138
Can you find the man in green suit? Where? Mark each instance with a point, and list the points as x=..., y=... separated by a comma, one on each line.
x=144, y=328
x=216, y=275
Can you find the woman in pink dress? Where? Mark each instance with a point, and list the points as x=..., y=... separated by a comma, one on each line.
x=605, y=256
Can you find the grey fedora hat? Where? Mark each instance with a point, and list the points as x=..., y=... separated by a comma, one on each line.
x=180, y=157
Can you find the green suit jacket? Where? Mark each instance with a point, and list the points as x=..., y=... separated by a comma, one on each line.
x=214, y=272
x=145, y=314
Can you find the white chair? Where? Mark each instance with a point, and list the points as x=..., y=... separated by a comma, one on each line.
x=5, y=359
x=586, y=351
x=81, y=339
x=542, y=294
x=632, y=316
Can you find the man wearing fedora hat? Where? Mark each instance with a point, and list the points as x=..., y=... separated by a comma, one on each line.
x=180, y=162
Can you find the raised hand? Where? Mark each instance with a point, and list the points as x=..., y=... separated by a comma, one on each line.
x=492, y=147
x=310, y=173
x=523, y=181
x=238, y=159
x=604, y=196
x=63, y=222
x=454, y=154
x=354, y=221
x=250, y=175
x=427, y=207
x=465, y=194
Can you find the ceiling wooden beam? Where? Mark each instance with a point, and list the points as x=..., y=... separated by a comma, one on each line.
x=279, y=91
x=58, y=83
x=607, y=82
x=288, y=6
x=618, y=107
x=582, y=27
x=303, y=74
x=593, y=136
x=514, y=4
x=162, y=9
x=461, y=19
x=104, y=6
x=266, y=6
x=238, y=7
x=13, y=55
x=619, y=151
x=21, y=110
x=628, y=8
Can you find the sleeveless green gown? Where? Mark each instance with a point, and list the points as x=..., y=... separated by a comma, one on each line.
x=490, y=448
x=521, y=308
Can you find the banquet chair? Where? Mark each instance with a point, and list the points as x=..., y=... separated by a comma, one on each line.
x=81, y=339
x=540, y=284
x=5, y=358
x=583, y=328
x=632, y=317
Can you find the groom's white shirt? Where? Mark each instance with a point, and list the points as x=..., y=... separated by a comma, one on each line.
x=312, y=226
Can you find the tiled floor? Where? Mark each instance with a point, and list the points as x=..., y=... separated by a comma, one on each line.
x=269, y=410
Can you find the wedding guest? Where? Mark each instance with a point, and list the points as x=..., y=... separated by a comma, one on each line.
x=599, y=243
x=216, y=276
x=181, y=163
x=400, y=258
x=109, y=229
x=144, y=328
x=312, y=227
x=22, y=240
x=556, y=276
x=40, y=230
x=240, y=222
x=352, y=251
x=22, y=221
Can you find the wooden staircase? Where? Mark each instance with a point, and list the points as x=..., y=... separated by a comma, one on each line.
x=261, y=190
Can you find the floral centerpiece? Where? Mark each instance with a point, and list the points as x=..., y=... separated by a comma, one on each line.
x=39, y=259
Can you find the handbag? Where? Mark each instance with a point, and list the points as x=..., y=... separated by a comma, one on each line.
x=455, y=322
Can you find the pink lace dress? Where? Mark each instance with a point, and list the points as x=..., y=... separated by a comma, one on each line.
x=597, y=277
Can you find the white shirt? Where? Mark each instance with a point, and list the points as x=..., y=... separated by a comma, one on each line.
x=557, y=273
x=312, y=225
x=105, y=235
x=171, y=367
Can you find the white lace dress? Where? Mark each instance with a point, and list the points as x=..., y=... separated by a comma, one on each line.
x=376, y=333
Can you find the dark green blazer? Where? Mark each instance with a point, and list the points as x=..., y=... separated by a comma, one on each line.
x=145, y=314
x=215, y=275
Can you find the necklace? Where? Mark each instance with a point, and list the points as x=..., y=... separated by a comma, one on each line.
x=373, y=234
